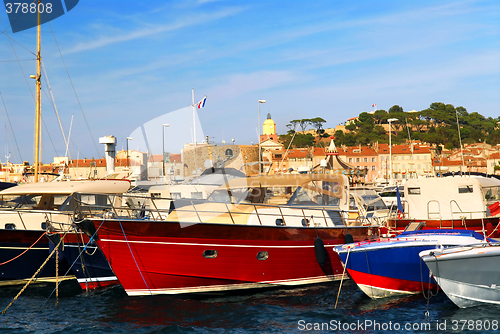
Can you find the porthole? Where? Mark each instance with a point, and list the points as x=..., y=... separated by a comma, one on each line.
x=280, y=222
x=44, y=226
x=210, y=254
x=261, y=256
x=305, y=222
x=10, y=226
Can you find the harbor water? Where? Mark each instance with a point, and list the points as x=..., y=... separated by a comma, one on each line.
x=307, y=309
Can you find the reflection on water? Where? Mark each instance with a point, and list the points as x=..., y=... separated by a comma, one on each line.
x=271, y=311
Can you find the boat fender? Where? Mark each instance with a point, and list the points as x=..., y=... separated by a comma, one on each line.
x=348, y=239
x=319, y=248
x=489, y=229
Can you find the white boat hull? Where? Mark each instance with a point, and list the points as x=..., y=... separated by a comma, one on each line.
x=469, y=276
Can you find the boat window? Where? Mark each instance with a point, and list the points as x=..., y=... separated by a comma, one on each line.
x=414, y=191
x=210, y=254
x=19, y=201
x=465, y=189
x=175, y=195
x=228, y=196
x=305, y=222
x=280, y=222
x=10, y=226
x=196, y=194
x=261, y=256
x=491, y=193
x=373, y=202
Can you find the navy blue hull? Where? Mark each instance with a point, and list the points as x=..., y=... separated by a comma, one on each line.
x=15, y=242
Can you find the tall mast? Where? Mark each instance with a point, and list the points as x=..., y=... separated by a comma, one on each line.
x=38, y=95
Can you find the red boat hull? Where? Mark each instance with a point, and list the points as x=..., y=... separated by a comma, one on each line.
x=158, y=257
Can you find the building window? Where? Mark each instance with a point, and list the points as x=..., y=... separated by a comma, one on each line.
x=374, y=168
x=365, y=159
x=357, y=159
x=374, y=159
x=350, y=159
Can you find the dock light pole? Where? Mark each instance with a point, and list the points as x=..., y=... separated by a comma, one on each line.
x=163, y=147
x=260, y=151
x=390, y=120
x=128, y=163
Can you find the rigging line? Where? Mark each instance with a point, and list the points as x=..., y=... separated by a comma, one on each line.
x=131, y=253
x=291, y=141
x=10, y=38
x=11, y=129
x=12, y=61
x=74, y=90
x=54, y=106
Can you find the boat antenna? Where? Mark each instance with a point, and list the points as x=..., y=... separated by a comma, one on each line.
x=409, y=137
x=460, y=139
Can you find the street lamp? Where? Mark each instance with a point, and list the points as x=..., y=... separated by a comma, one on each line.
x=390, y=120
x=128, y=138
x=163, y=147
x=260, y=152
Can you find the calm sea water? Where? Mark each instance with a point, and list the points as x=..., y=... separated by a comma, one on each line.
x=272, y=311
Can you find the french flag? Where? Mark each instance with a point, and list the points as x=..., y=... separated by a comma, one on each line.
x=400, y=206
x=374, y=105
x=201, y=104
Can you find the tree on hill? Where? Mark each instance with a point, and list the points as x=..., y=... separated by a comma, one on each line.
x=436, y=125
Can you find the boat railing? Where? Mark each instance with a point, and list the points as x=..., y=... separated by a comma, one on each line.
x=29, y=219
x=464, y=214
x=202, y=211
x=434, y=214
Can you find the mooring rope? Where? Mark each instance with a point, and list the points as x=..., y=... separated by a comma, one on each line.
x=343, y=273
x=36, y=274
x=133, y=256
x=27, y=249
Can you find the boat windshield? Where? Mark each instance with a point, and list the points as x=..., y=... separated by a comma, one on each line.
x=491, y=193
x=20, y=202
x=370, y=200
x=308, y=194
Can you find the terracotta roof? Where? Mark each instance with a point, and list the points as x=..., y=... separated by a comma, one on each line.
x=356, y=151
x=297, y=153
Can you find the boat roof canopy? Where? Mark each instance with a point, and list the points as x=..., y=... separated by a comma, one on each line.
x=70, y=187
x=285, y=180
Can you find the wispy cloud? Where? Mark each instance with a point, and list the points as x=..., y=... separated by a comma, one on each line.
x=149, y=31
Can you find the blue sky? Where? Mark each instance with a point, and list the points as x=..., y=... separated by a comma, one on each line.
x=133, y=61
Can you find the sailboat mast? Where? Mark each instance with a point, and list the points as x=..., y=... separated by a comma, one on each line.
x=38, y=95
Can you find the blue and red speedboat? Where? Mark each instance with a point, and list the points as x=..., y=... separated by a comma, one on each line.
x=392, y=266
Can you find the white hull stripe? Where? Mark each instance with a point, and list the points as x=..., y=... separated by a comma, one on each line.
x=211, y=245
x=486, y=301
x=368, y=288
x=97, y=279
x=212, y=288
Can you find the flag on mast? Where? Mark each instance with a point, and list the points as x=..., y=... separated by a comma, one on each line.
x=201, y=104
x=400, y=206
